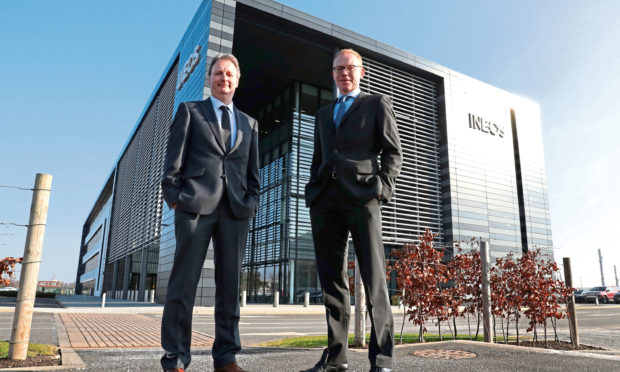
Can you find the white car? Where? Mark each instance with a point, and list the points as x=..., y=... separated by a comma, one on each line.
x=8, y=289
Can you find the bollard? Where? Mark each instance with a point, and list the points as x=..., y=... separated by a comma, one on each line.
x=146, y=295
x=103, y=300
x=152, y=296
x=243, y=298
x=596, y=300
x=306, y=299
x=276, y=299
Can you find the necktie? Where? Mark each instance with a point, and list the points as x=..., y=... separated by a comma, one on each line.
x=342, y=108
x=225, y=127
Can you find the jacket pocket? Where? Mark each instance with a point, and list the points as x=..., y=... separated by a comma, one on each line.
x=193, y=173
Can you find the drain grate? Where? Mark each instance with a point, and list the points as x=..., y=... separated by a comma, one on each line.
x=444, y=354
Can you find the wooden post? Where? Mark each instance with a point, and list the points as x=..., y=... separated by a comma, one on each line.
x=486, y=292
x=22, y=319
x=360, y=308
x=570, y=302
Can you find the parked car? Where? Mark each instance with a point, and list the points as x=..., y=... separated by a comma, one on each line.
x=617, y=297
x=580, y=295
x=604, y=294
x=8, y=289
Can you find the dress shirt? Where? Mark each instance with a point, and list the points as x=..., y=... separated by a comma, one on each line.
x=354, y=93
x=231, y=114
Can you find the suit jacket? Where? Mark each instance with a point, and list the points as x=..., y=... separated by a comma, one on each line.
x=197, y=168
x=366, y=132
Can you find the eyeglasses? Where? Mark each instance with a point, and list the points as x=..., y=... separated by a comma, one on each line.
x=349, y=68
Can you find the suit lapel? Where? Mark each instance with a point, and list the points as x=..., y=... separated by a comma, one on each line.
x=332, y=124
x=351, y=109
x=207, y=110
x=241, y=123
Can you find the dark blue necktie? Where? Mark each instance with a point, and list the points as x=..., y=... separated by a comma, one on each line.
x=225, y=127
x=342, y=108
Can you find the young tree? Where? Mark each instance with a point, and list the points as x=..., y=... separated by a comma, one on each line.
x=467, y=276
x=419, y=276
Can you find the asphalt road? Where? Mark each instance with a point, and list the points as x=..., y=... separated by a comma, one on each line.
x=597, y=325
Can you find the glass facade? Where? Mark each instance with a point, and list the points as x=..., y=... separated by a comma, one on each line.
x=493, y=185
x=473, y=155
x=279, y=253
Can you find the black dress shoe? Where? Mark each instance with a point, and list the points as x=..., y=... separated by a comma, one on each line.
x=322, y=365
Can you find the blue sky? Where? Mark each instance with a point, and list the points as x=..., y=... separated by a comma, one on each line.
x=76, y=75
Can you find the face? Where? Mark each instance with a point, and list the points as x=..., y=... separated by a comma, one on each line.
x=224, y=80
x=346, y=80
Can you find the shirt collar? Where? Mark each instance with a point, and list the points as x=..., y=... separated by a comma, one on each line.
x=217, y=103
x=354, y=93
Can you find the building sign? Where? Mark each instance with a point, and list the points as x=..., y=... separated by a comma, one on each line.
x=189, y=67
x=485, y=126
x=49, y=284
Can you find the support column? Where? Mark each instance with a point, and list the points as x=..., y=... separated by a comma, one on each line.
x=143, y=267
x=126, y=277
x=114, y=279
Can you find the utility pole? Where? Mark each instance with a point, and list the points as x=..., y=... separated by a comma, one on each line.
x=570, y=303
x=22, y=319
x=616, y=274
x=600, y=261
x=485, y=260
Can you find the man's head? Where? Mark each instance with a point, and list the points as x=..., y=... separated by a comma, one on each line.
x=224, y=76
x=347, y=70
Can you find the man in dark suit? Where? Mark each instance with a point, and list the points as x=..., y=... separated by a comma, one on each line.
x=211, y=181
x=347, y=185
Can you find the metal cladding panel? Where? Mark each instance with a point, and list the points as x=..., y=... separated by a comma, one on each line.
x=136, y=219
x=417, y=201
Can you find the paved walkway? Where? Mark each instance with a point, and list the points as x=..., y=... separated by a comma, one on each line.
x=118, y=331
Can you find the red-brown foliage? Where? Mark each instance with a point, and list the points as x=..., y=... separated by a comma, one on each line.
x=7, y=266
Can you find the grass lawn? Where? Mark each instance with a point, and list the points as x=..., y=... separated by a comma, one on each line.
x=33, y=349
x=321, y=341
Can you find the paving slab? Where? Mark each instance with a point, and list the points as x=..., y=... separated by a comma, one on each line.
x=88, y=330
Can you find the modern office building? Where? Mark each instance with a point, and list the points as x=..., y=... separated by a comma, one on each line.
x=473, y=155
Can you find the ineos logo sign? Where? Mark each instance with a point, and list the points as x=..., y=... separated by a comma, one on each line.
x=485, y=126
x=189, y=67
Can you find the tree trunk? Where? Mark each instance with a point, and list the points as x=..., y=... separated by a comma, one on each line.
x=507, y=328
x=439, y=325
x=545, y=328
x=421, y=334
x=478, y=326
x=454, y=322
x=402, y=327
x=468, y=326
x=517, y=326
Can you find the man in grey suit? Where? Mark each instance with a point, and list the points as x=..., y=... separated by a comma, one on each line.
x=211, y=181
x=347, y=185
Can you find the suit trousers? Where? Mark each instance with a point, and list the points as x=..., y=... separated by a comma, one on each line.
x=333, y=216
x=193, y=233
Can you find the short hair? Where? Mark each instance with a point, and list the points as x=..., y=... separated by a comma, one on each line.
x=350, y=51
x=227, y=56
